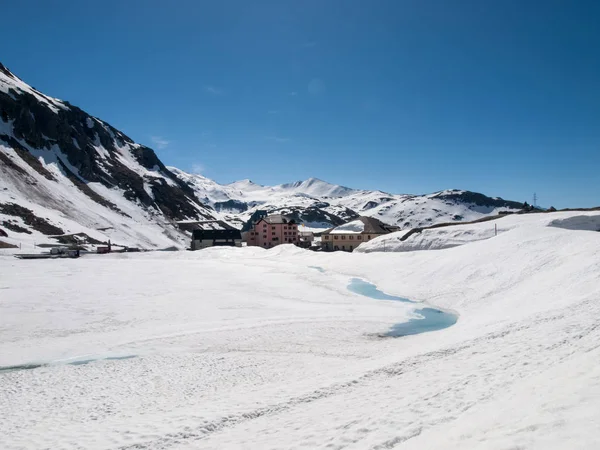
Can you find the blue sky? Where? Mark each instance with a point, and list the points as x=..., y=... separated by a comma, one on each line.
x=407, y=96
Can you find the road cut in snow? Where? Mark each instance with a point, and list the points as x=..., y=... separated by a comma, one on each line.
x=252, y=348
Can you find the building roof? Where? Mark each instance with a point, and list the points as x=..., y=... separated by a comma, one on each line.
x=370, y=225
x=255, y=217
x=278, y=219
x=216, y=234
x=205, y=225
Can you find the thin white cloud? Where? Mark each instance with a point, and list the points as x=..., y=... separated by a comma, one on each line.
x=277, y=139
x=213, y=90
x=293, y=93
x=273, y=111
x=159, y=142
x=309, y=44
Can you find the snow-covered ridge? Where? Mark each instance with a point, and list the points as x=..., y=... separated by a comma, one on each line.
x=85, y=176
x=9, y=81
x=77, y=174
x=317, y=201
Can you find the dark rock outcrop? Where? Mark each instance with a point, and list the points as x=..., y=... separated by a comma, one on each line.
x=479, y=199
x=90, y=150
x=29, y=218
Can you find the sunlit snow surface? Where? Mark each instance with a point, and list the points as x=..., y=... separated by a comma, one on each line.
x=250, y=348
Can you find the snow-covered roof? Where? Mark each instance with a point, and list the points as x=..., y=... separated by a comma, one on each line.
x=362, y=225
x=354, y=227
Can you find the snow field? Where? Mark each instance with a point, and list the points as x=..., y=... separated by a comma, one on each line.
x=248, y=348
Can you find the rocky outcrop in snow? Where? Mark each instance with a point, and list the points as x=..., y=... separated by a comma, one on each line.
x=48, y=146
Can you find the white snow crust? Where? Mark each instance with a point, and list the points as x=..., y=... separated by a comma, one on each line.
x=250, y=348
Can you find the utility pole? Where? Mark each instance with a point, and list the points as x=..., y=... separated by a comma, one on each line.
x=535, y=199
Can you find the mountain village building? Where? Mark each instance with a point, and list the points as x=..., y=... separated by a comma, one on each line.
x=350, y=235
x=212, y=233
x=273, y=230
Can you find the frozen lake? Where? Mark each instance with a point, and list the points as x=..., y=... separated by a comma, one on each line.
x=428, y=319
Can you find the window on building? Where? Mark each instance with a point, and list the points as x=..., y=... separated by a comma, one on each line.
x=295, y=233
x=369, y=237
x=264, y=236
x=326, y=237
x=273, y=227
x=273, y=233
x=336, y=237
x=343, y=247
x=359, y=238
x=350, y=237
x=343, y=237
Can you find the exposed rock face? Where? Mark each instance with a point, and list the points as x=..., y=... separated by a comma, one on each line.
x=91, y=150
x=29, y=218
x=66, y=146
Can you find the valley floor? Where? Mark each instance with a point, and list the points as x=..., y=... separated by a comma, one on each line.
x=247, y=348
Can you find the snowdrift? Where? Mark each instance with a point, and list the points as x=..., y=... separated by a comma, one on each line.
x=460, y=234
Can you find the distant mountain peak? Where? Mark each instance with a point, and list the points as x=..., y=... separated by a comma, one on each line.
x=6, y=72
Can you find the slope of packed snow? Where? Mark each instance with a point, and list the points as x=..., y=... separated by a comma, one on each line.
x=62, y=204
x=249, y=348
x=460, y=234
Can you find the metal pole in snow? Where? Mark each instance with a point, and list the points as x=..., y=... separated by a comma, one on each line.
x=496, y=229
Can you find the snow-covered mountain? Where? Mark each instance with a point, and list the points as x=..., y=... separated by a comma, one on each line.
x=64, y=172
x=320, y=204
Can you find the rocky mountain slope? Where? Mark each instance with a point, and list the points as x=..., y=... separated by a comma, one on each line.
x=320, y=204
x=63, y=171
x=66, y=176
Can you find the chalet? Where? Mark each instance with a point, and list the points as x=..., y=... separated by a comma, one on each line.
x=249, y=225
x=305, y=239
x=350, y=235
x=273, y=230
x=214, y=233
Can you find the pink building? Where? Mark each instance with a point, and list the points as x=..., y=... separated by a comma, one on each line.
x=273, y=230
